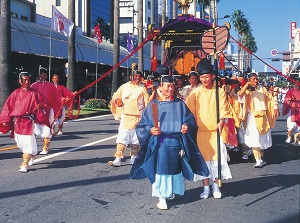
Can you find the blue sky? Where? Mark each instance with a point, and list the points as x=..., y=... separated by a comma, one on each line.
x=270, y=21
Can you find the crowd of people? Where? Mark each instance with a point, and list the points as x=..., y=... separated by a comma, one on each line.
x=174, y=131
x=181, y=131
x=34, y=110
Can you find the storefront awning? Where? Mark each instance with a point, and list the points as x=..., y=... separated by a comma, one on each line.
x=33, y=38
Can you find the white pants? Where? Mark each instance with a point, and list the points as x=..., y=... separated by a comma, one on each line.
x=127, y=136
x=213, y=166
x=27, y=143
x=291, y=126
x=60, y=120
x=252, y=136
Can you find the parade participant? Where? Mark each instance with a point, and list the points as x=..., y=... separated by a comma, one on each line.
x=238, y=113
x=21, y=108
x=127, y=106
x=168, y=152
x=179, y=84
x=283, y=93
x=291, y=106
x=194, y=83
x=65, y=95
x=261, y=111
x=202, y=103
x=51, y=94
x=273, y=89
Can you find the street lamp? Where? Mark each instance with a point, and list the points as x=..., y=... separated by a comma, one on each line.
x=225, y=17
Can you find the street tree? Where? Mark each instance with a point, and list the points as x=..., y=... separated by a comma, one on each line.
x=250, y=43
x=116, y=13
x=71, y=48
x=242, y=26
x=5, y=51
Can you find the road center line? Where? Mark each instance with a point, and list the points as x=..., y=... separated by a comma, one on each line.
x=73, y=149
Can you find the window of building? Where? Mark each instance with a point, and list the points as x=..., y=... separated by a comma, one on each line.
x=149, y=5
x=58, y=3
x=24, y=18
x=14, y=15
x=126, y=20
x=123, y=40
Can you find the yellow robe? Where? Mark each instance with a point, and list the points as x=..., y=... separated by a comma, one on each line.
x=261, y=104
x=202, y=103
x=135, y=98
x=235, y=108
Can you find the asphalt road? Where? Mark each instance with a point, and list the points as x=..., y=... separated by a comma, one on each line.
x=73, y=183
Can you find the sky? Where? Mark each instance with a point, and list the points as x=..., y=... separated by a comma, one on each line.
x=270, y=22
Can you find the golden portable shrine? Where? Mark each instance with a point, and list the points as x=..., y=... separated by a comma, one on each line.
x=187, y=40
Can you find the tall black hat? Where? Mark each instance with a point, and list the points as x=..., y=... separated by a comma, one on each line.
x=204, y=67
x=43, y=70
x=167, y=79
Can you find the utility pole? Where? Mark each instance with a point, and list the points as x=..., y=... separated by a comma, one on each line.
x=140, y=35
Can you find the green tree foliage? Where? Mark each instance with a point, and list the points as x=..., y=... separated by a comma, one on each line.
x=242, y=26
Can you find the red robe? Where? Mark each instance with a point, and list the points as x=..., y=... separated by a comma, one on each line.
x=21, y=107
x=292, y=102
x=63, y=93
x=50, y=92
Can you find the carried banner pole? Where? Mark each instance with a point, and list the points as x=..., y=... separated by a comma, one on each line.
x=96, y=86
x=50, y=56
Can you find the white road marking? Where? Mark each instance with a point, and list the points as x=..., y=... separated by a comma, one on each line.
x=89, y=118
x=73, y=149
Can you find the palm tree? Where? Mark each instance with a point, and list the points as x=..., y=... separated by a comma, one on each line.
x=250, y=43
x=242, y=26
x=244, y=30
x=116, y=43
x=71, y=48
x=5, y=51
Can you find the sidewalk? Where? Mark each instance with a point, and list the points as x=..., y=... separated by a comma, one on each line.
x=94, y=113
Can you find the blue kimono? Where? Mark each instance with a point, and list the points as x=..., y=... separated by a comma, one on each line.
x=171, y=152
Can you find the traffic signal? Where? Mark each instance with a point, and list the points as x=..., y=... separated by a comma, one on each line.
x=275, y=59
x=286, y=55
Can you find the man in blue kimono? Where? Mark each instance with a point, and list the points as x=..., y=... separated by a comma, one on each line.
x=168, y=152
